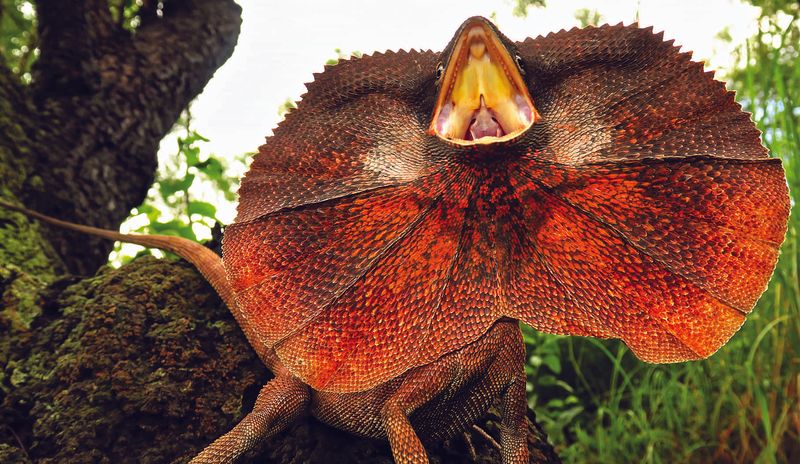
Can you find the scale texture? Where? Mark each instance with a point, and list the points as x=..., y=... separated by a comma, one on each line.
x=642, y=207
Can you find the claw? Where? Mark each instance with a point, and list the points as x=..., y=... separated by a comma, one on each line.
x=488, y=437
x=470, y=446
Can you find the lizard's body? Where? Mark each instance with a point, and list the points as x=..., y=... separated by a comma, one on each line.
x=417, y=205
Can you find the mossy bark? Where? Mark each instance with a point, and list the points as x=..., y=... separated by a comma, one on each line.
x=140, y=364
x=144, y=364
x=80, y=142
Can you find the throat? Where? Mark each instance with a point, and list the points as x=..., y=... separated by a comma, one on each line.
x=484, y=124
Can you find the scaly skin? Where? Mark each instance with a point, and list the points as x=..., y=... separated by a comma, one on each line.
x=380, y=270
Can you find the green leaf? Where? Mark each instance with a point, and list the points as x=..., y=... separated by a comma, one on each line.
x=545, y=381
x=168, y=187
x=150, y=211
x=212, y=167
x=174, y=227
x=555, y=403
x=192, y=155
x=553, y=363
x=203, y=208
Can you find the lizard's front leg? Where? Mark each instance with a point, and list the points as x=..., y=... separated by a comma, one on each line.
x=283, y=400
x=421, y=386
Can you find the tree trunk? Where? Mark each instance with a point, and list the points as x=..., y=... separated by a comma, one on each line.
x=101, y=100
x=143, y=363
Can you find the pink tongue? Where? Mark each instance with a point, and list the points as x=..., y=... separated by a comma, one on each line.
x=484, y=125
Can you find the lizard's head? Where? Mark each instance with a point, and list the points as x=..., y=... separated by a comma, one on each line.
x=482, y=95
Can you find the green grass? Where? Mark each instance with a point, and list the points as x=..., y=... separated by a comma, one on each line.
x=599, y=404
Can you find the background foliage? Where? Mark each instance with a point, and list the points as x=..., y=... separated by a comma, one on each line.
x=598, y=403
x=183, y=198
x=18, y=38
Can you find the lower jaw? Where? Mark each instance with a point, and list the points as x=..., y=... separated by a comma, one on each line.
x=483, y=128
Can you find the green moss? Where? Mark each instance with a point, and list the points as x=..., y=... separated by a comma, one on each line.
x=19, y=298
x=25, y=271
x=27, y=262
x=137, y=364
x=12, y=455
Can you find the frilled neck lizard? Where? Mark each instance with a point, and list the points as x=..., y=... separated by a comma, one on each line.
x=417, y=205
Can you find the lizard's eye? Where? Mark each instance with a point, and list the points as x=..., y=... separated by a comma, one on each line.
x=439, y=71
x=518, y=60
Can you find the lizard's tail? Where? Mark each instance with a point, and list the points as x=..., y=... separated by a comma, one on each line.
x=206, y=261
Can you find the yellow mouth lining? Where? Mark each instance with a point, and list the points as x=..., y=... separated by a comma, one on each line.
x=483, y=98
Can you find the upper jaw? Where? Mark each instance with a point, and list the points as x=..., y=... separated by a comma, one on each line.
x=483, y=98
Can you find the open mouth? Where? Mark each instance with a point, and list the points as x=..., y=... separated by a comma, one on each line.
x=483, y=98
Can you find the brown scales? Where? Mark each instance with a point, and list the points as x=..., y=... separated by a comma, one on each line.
x=379, y=270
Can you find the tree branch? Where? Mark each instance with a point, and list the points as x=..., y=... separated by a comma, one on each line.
x=105, y=99
x=196, y=29
x=71, y=35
